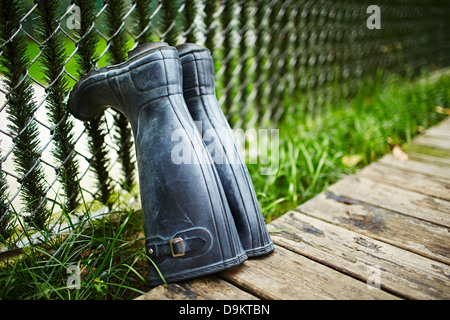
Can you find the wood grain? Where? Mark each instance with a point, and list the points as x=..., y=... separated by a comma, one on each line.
x=433, y=140
x=418, y=236
x=397, y=270
x=431, y=169
x=407, y=202
x=285, y=275
x=409, y=180
x=204, y=288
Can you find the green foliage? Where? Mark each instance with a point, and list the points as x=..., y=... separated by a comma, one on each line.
x=87, y=43
x=244, y=75
x=124, y=139
x=142, y=20
x=115, y=13
x=282, y=83
x=170, y=26
x=115, y=27
x=190, y=11
x=260, y=59
x=5, y=215
x=53, y=58
x=314, y=148
x=210, y=30
x=273, y=56
x=21, y=110
x=106, y=252
x=95, y=128
x=228, y=60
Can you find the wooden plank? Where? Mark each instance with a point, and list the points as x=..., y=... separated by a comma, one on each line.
x=438, y=132
x=404, y=273
x=445, y=124
x=204, y=288
x=442, y=129
x=421, y=237
x=428, y=154
x=421, y=183
x=426, y=158
x=285, y=275
x=441, y=142
x=389, y=197
x=440, y=171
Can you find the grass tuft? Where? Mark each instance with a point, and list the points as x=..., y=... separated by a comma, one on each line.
x=108, y=253
x=317, y=150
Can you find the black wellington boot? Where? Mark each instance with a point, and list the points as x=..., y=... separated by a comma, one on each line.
x=188, y=225
x=199, y=93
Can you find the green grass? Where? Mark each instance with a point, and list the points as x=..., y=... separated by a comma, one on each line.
x=108, y=252
x=314, y=152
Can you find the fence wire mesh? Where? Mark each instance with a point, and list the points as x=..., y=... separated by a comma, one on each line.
x=272, y=57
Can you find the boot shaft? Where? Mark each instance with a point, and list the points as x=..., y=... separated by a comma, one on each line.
x=198, y=71
x=188, y=225
x=128, y=87
x=199, y=93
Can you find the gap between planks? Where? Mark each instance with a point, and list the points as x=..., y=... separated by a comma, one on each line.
x=287, y=275
x=280, y=275
x=395, y=199
x=429, y=169
x=406, y=232
x=409, y=180
x=396, y=270
x=203, y=288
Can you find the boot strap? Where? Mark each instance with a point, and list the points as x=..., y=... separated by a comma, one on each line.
x=186, y=243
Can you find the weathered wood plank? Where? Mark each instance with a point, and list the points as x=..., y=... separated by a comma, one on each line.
x=421, y=183
x=445, y=124
x=428, y=154
x=285, y=275
x=442, y=132
x=426, y=158
x=204, y=288
x=418, y=236
x=438, y=141
x=389, y=197
x=417, y=166
x=404, y=273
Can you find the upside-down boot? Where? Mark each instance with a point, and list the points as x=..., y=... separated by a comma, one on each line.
x=188, y=226
x=199, y=94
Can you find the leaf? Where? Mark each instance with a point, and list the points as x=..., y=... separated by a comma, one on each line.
x=351, y=160
x=399, y=154
x=442, y=110
x=100, y=286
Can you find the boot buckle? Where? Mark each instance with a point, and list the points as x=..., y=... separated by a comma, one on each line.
x=178, y=242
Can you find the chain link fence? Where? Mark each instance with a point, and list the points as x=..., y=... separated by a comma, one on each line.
x=272, y=57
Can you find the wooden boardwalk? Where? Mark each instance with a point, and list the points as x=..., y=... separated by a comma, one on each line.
x=383, y=233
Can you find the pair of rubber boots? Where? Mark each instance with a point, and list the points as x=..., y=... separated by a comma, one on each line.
x=199, y=206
